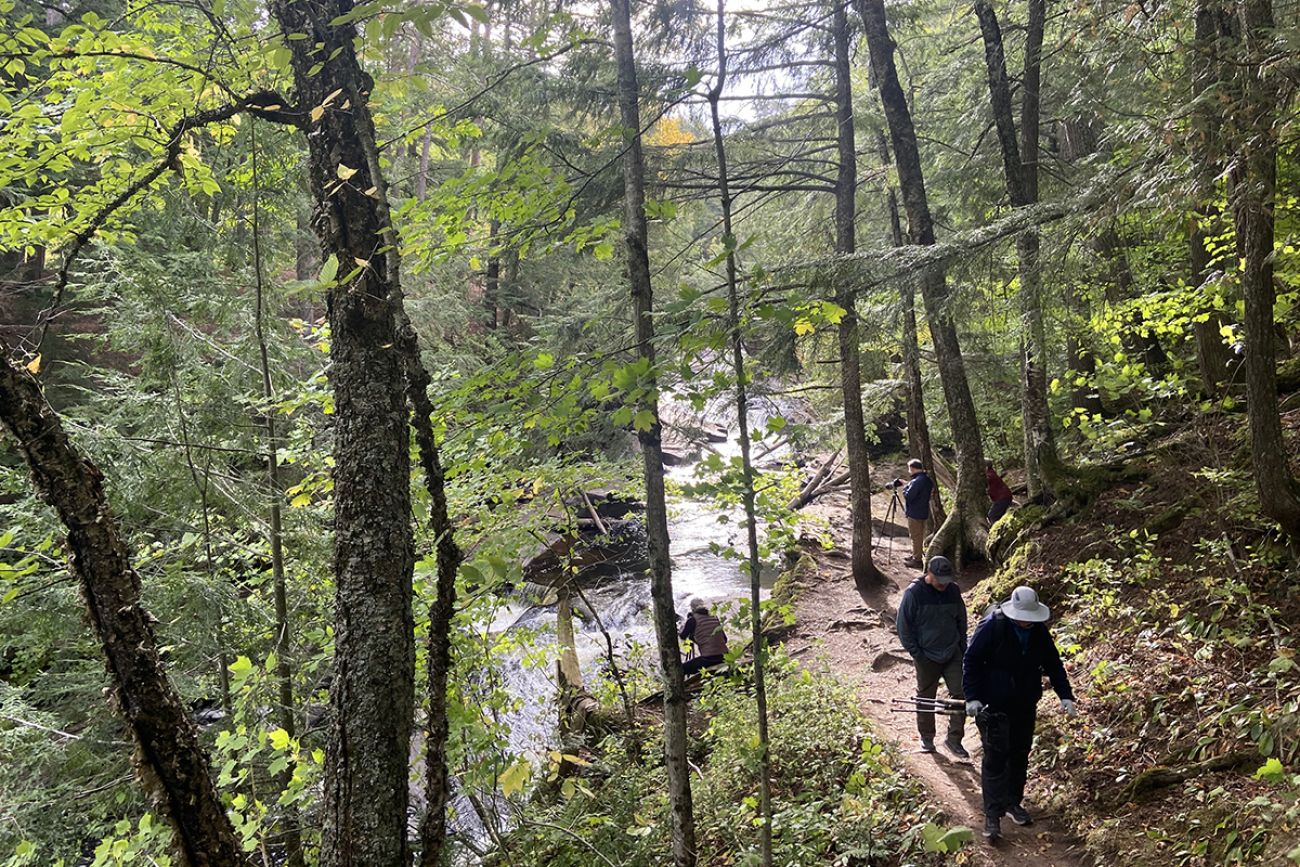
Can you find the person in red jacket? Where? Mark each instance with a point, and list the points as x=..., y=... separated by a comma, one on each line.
x=999, y=493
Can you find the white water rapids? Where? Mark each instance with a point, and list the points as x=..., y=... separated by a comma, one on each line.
x=624, y=607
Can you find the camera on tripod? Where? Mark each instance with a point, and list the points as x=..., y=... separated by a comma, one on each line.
x=896, y=483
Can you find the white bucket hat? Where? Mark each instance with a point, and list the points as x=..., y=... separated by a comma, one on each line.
x=1024, y=605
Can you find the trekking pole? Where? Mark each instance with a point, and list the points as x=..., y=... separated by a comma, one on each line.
x=918, y=704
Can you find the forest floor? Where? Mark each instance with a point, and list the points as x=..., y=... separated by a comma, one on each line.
x=857, y=639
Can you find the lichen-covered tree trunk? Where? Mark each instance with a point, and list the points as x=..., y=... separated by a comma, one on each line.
x=1020, y=169
x=367, y=766
x=865, y=572
x=964, y=530
x=1213, y=26
x=661, y=582
x=169, y=758
x=1253, y=184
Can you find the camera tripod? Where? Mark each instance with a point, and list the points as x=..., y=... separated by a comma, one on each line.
x=890, y=514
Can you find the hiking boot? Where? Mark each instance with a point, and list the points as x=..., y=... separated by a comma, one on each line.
x=911, y=561
x=1020, y=815
x=953, y=745
x=992, y=829
x=927, y=745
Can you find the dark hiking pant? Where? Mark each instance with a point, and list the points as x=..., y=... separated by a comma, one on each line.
x=928, y=674
x=998, y=510
x=1007, y=736
x=691, y=666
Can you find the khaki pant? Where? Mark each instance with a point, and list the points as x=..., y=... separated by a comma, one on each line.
x=916, y=529
x=928, y=675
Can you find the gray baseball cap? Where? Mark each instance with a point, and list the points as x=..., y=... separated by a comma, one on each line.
x=941, y=569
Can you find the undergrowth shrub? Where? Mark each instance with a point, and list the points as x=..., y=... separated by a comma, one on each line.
x=838, y=795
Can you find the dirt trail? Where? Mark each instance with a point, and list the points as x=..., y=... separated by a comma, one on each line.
x=858, y=638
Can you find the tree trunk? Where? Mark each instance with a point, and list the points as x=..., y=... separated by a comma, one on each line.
x=964, y=530
x=1079, y=359
x=1213, y=28
x=280, y=592
x=865, y=572
x=1139, y=341
x=661, y=582
x=1253, y=181
x=1021, y=174
x=169, y=758
x=918, y=428
x=372, y=695
x=742, y=418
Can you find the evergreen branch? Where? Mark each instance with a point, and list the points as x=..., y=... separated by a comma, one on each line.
x=874, y=267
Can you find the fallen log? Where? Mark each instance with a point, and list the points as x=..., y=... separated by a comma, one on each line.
x=1160, y=777
x=805, y=495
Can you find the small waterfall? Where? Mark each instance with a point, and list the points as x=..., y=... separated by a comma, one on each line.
x=622, y=601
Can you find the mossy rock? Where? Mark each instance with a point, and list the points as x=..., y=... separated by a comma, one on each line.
x=1011, y=531
x=1288, y=375
x=1169, y=519
x=998, y=586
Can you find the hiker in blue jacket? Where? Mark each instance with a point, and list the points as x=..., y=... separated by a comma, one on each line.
x=932, y=627
x=1008, y=656
x=916, y=505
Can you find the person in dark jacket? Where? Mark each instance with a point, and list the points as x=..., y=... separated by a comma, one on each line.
x=932, y=626
x=999, y=493
x=916, y=505
x=1008, y=656
x=705, y=631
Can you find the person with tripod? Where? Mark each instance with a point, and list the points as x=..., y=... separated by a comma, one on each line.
x=916, y=506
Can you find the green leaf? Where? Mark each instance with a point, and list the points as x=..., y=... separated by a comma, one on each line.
x=241, y=666
x=330, y=269
x=1271, y=771
x=644, y=420
x=544, y=361
x=279, y=739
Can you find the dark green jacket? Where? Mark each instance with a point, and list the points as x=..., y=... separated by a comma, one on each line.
x=932, y=623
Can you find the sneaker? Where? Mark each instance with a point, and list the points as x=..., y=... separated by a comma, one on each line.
x=992, y=828
x=953, y=745
x=927, y=745
x=1020, y=815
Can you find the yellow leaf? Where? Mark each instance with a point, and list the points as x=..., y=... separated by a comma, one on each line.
x=373, y=192
x=344, y=172
x=514, y=777
x=34, y=366
x=364, y=263
x=317, y=113
x=300, y=501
